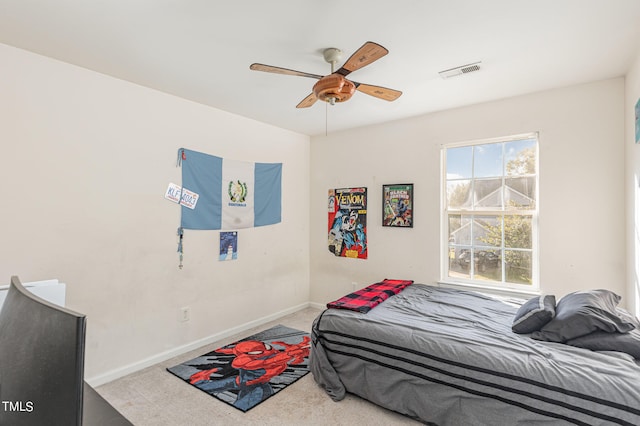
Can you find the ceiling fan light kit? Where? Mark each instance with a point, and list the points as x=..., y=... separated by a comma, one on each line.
x=335, y=87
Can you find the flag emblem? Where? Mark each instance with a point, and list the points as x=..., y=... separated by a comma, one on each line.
x=237, y=191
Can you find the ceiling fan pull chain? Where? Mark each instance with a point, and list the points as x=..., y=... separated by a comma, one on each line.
x=326, y=119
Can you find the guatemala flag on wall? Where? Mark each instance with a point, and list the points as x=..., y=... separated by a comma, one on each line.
x=230, y=194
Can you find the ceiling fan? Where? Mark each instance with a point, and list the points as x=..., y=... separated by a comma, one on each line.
x=335, y=87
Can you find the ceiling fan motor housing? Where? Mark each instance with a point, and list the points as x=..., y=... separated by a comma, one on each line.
x=334, y=88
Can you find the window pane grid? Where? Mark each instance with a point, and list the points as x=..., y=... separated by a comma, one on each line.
x=490, y=209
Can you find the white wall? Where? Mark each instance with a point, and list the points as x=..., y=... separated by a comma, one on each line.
x=632, y=186
x=581, y=192
x=86, y=160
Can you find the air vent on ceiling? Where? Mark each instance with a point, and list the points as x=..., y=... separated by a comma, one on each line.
x=464, y=69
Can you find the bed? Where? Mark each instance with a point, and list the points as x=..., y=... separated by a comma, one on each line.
x=449, y=357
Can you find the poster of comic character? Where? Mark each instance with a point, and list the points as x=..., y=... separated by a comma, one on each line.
x=348, y=222
x=397, y=205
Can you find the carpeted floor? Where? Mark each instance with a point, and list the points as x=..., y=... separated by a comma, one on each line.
x=153, y=397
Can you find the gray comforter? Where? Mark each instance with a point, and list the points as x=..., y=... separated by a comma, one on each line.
x=449, y=357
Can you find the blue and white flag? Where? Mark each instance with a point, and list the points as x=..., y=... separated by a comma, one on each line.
x=231, y=194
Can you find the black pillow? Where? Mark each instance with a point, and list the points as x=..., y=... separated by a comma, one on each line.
x=583, y=312
x=534, y=314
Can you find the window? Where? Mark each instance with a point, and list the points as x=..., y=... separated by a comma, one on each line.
x=490, y=213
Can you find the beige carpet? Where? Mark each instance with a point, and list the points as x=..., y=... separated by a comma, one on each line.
x=154, y=397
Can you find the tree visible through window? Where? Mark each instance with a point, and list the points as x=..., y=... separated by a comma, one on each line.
x=490, y=212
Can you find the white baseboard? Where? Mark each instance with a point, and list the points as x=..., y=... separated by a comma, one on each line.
x=117, y=373
x=318, y=305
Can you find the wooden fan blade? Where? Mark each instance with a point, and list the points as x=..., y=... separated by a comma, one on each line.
x=368, y=53
x=285, y=71
x=308, y=101
x=378, y=91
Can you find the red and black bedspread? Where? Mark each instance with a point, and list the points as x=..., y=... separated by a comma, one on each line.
x=371, y=296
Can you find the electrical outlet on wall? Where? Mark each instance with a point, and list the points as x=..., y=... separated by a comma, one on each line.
x=185, y=314
x=354, y=285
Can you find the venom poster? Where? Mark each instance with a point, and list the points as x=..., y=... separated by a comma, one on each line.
x=348, y=222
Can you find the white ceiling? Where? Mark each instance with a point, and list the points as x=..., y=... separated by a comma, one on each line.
x=201, y=49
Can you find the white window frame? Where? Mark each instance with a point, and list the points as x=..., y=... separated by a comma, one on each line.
x=491, y=286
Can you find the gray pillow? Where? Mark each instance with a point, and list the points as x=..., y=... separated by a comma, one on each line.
x=602, y=341
x=628, y=317
x=583, y=312
x=534, y=314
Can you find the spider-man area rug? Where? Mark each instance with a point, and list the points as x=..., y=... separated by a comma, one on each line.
x=247, y=372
